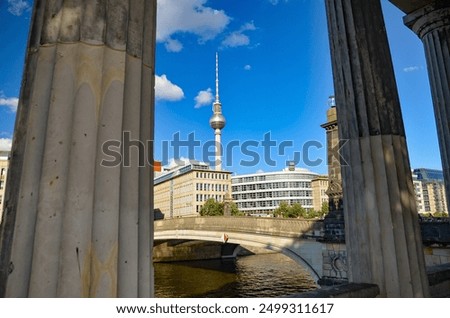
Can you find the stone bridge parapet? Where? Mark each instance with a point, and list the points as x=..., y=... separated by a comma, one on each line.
x=292, y=228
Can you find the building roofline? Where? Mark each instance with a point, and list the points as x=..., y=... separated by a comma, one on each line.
x=298, y=170
x=177, y=174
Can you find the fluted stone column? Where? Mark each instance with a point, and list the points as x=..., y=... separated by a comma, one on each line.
x=75, y=226
x=432, y=24
x=382, y=232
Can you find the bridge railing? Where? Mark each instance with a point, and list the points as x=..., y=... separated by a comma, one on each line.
x=266, y=226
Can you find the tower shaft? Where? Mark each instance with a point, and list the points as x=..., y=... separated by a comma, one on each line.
x=217, y=122
x=218, y=145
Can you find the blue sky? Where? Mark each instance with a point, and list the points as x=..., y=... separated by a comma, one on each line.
x=275, y=77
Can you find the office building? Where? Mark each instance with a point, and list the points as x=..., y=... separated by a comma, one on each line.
x=181, y=191
x=4, y=162
x=425, y=174
x=319, y=187
x=418, y=189
x=261, y=193
x=430, y=190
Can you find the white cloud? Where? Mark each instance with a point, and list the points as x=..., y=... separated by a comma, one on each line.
x=204, y=98
x=410, y=69
x=188, y=16
x=173, y=45
x=238, y=38
x=166, y=90
x=18, y=7
x=5, y=144
x=247, y=67
x=10, y=102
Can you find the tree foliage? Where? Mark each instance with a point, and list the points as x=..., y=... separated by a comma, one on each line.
x=214, y=208
x=440, y=215
x=235, y=211
x=323, y=211
x=211, y=208
x=325, y=208
x=312, y=214
x=282, y=210
x=294, y=211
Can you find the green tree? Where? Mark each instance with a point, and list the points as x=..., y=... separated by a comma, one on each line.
x=323, y=211
x=325, y=208
x=211, y=208
x=296, y=211
x=234, y=210
x=282, y=210
x=311, y=214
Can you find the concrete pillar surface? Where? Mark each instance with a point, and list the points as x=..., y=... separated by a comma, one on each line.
x=432, y=24
x=382, y=232
x=75, y=227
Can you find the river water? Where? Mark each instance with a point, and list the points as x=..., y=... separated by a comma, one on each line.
x=267, y=275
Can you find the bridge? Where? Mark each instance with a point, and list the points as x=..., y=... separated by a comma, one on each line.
x=301, y=240
x=295, y=238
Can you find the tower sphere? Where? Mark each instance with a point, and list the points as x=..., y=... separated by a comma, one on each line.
x=217, y=121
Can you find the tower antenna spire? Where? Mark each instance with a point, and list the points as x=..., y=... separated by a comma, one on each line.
x=217, y=78
x=217, y=121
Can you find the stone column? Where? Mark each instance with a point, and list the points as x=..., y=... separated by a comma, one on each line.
x=382, y=231
x=227, y=201
x=432, y=24
x=79, y=222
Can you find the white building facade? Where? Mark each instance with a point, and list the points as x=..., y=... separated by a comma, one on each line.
x=418, y=189
x=262, y=193
x=4, y=163
x=181, y=191
x=430, y=191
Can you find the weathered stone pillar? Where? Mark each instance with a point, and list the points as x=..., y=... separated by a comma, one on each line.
x=227, y=201
x=76, y=227
x=432, y=24
x=382, y=231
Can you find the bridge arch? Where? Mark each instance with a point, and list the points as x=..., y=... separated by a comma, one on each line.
x=286, y=236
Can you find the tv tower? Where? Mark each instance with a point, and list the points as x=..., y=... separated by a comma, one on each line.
x=217, y=121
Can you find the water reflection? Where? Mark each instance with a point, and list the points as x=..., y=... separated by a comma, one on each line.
x=268, y=275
